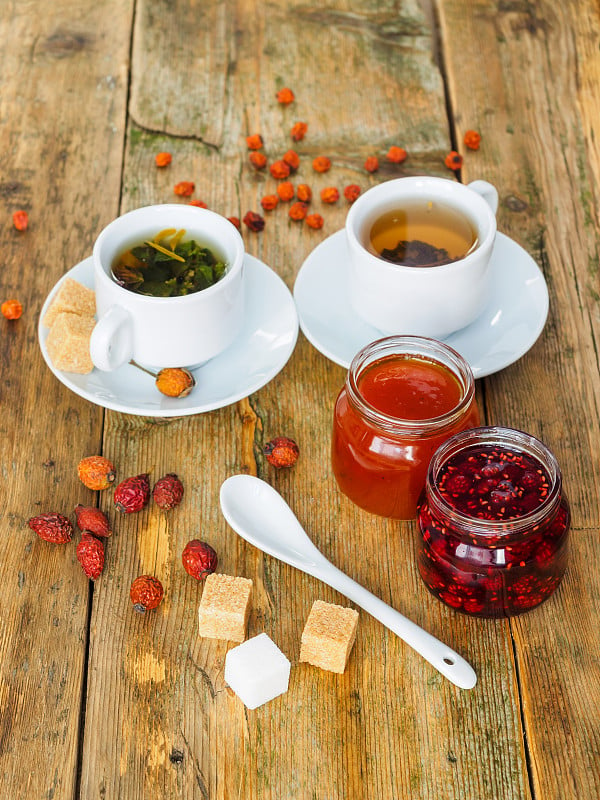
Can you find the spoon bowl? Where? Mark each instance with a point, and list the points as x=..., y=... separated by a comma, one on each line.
x=260, y=515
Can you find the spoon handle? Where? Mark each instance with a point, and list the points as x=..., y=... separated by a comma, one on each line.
x=438, y=654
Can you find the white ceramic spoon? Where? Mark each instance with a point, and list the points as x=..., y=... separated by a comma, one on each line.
x=261, y=516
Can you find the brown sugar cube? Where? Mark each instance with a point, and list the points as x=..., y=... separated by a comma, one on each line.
x=225, y=607
x=328, y=636
x=68, y=343
x=73, y=298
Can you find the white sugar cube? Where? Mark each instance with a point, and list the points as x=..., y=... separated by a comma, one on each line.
x=257, y=671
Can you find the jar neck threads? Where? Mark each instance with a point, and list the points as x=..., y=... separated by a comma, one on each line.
x=417, y=347
x=508, y=439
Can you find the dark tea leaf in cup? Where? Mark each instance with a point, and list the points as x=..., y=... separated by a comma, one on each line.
x=417, y=254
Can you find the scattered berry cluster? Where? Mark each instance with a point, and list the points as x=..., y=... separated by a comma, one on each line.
x=130, y=496
x=282, y=168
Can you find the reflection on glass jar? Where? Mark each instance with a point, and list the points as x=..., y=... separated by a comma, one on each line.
x=493, y=523
x=403, y=396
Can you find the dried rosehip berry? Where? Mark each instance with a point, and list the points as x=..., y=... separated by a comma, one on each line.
x=330, y=194
x=52, y=527
x=198, y=203
x=269, y=202
x=298, y=131
x=285, y=96
x=254, y=141
x=90, y=554
x=175, y=381
x=11, y=309
x=285, y=191
x=453, y=160
x=254, y=221
x=133, y=494
x=292, y=159
x=315, y=221
x=20, y=220
x=258, y=160
x=163, y=159
x=304, y=193
x=168, y=491
x=321, y=164
x=396, y=154
x=235, y=221
x=352, y=192
x=279, y=170
x=146, y=593
x=281, y=452
x=184, y=188
x=93, y=520
x=371, y=163
x=96, y=472
x=472, y=140
x=199, y=559
x=297, y=211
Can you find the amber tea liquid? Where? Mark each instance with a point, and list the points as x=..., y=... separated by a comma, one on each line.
x=422, y=234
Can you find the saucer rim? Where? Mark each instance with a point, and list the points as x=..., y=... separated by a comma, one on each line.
x=480, y=370
x=253, y=265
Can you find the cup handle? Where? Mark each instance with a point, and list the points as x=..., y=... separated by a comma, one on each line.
x=111, y=344
x=487, y=191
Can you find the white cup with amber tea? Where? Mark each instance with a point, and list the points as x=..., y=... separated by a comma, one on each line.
x=420, y=250
x=169, y=287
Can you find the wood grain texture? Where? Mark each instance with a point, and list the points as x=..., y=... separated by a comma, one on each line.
x=62, y=115
x=160, y=720
x=539, y=148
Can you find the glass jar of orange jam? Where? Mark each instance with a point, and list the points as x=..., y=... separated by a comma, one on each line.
x=402, y=398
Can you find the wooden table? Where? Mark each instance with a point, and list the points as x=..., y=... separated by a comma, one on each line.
x=98, y=702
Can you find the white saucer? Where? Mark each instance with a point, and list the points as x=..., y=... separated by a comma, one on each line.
x=506, y=329
x=261, y=350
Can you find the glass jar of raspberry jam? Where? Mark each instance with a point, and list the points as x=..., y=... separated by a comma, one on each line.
x=493, y=523
x=403, y=396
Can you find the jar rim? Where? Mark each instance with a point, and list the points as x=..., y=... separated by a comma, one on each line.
x=420, y=347
x=499, y=436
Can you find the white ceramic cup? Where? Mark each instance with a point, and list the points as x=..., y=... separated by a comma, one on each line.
x=421, y=301
x=166, y=331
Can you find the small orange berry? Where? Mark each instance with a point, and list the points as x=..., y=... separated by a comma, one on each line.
x=235, y=221
x=351, y=192
x=254, y=221
x=258, y=160
x=297, y=211
x=472, y=140
x=269, y=202
x=285, y=190
x=330, y=194
x=292, y=159
x=396, y=154
x=321, y=164
x=453, y=160
x=11, y=309
x=198, y=203
x=285, y=96
x=184, y=188
x=20, y=220
x=314, y=221
x=163, y=159
x=279, y=169
x=254, y=142
x=372, y=164
x=299, y=131
x=304, y=193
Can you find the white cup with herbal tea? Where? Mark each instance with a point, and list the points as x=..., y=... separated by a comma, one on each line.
x=169, y=287
x=420, y=250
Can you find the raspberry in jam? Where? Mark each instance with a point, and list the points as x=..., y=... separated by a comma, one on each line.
x=493, y=523
x=403, y=397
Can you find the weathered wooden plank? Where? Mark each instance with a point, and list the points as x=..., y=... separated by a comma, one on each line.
x=531, y=72
x=62, y=104
x=162, y=723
